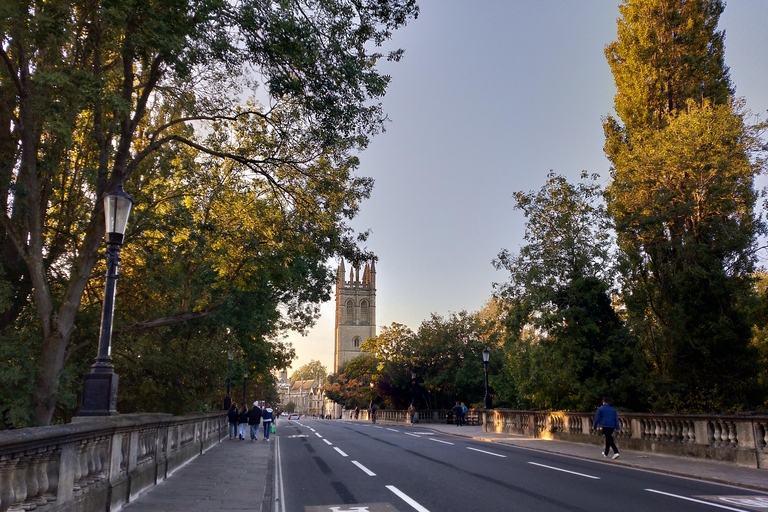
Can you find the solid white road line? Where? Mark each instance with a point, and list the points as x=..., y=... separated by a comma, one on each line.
x=279, y=505
x=697, y=501
x=327, y=442
x=565, y=471
x=407, y=498
x=365, y=469
x=341, y=452
x=483, y=451
x=439, y=441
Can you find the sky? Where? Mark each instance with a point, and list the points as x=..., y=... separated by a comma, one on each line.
x=488, y=98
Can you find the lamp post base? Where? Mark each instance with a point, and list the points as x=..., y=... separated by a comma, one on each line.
x=100, y=395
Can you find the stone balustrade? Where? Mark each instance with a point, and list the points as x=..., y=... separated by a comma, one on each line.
x=99, y=463
x=739, y=439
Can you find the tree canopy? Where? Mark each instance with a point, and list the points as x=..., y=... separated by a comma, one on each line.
x=236, y=201
x=684, y=158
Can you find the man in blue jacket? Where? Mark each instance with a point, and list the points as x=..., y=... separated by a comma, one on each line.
x=607, y=418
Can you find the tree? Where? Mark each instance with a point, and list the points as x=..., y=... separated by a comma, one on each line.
x=95, y=94
x=355, y=385
x=566, y=347
x=682, y=196
x=311, y=371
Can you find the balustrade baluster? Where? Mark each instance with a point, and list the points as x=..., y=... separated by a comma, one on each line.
x=7, y=492
x=78, y=484
x=51, y=464
x=19, y=484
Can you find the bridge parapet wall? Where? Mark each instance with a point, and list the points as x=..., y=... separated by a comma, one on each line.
x=739, y=439
x=99, y=463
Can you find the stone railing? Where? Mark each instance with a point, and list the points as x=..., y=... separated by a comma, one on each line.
x=399, y=416
x=99, y=464
x=739, y=439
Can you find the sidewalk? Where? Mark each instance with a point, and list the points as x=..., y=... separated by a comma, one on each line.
x=711, y=471
x=232, y=475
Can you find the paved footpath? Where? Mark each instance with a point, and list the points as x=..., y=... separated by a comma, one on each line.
x=238, y=475
x=232, y=475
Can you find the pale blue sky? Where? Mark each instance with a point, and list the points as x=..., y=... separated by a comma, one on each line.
x=489, y=97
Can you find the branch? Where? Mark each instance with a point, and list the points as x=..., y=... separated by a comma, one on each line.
x=172, y=320
x=11, y=70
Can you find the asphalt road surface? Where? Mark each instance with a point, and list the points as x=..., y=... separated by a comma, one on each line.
x=343, y=466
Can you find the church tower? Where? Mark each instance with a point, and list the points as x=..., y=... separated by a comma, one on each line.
x=355, y=312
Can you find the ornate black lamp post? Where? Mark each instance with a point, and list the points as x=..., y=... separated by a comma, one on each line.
x=228, y=399
x=245, y=381
x=487, y=398
x=100, y=386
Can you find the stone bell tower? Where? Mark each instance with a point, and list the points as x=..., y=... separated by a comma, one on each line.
x=355, y=312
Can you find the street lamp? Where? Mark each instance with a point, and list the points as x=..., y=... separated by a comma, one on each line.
x=100, y=384
x=228, y=399
x=487, y=398
x=245, y=381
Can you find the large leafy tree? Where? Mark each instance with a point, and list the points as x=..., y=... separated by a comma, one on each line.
x=310, y=371
x=684, y=159
x=566, y=347
x=140, y=92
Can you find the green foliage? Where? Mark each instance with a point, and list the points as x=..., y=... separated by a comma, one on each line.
x=232, y=198
x=310, y=371
x=566, y=347
x=682, y=196
x=445, y=356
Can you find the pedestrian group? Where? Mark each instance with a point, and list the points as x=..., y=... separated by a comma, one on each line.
x=239, y=419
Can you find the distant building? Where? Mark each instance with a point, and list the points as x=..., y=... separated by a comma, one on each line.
x=355, y=312
x=306, y=395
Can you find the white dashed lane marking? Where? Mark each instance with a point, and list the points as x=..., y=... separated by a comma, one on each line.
x=565, y=471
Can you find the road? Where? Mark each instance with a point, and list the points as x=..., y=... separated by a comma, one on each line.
x=344, y=466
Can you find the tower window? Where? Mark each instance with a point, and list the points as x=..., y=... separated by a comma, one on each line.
x=357, y=341
x=350, y=311
x=364, y=311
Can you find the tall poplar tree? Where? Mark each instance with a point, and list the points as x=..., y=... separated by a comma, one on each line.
x=682, y=196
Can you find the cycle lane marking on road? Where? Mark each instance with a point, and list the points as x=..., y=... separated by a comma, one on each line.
x=483, y=451
x=717, y=505
x=565, y=471
x=363, y=468
x=400, y=494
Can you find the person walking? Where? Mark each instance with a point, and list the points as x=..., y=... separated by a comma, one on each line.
x=411, y=412
x=457, y=414
x=254, y=418
x=232, y=415
x=373, y=413
x=463, y=414
x=267, y=417
x=242, y=421
x=607, y=418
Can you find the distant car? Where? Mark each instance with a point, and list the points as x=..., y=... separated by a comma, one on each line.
x=293, y=416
